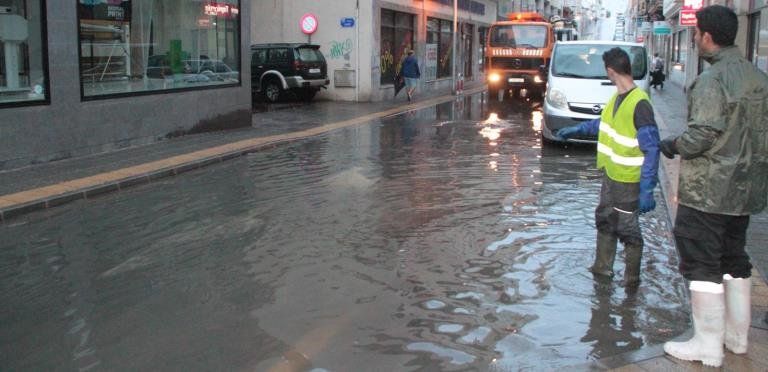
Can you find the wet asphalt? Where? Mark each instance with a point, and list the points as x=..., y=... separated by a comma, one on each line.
x=441, y=238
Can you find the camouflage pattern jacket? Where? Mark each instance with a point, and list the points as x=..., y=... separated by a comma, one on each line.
x=724, y=150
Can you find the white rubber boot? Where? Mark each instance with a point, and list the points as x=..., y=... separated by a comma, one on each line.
x=738, y=315
x=708, y=313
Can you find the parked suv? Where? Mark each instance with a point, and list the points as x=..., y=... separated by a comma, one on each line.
x=287, y=67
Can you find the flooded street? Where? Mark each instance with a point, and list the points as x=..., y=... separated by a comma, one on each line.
x=447, y=238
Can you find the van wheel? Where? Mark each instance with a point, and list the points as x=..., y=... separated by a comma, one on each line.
x=272, y=91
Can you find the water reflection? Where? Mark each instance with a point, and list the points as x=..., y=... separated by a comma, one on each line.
x=416, y=242
x=612, y=328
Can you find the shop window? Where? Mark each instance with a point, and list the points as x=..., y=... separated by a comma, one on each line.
x=439, y=38
x=23, y=62
x=396, y=40
x=760, y=58
x=145, y=46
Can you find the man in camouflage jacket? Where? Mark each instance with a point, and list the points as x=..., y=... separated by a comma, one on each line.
x=723, y=180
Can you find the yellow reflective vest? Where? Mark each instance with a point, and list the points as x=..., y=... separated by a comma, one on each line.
x=618, y=151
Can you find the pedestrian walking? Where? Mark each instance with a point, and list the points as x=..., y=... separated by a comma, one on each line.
x=410, y=71
x=723, y=180
x=657, y=72
x=628, y=155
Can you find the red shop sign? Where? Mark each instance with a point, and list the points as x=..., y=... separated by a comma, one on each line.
x=220, y=10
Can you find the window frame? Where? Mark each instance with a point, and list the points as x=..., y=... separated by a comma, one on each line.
x=84, y=98
x=440, y=34
x=46, y=101
x=394, y=26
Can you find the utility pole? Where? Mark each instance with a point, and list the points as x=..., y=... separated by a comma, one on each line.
x=453, y=44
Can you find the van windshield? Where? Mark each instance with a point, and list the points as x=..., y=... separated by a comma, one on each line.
x=585, y=61
x=518, y=36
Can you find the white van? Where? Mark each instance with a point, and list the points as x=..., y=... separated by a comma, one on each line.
x=578, y=88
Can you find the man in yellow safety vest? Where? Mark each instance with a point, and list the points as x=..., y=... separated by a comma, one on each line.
x=628, y=155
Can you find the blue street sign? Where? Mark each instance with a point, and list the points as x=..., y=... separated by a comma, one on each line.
x=348, y=22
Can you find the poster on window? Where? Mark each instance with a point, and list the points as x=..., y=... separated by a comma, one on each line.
x=762, y=63
x=430, y=62
x=105, y=10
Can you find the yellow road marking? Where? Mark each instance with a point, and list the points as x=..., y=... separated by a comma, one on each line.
x=44, y=193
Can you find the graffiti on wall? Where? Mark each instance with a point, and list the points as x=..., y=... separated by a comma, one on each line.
x=341, y=49
x=387, y=60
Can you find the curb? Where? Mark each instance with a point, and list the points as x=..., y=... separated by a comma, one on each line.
x=23, y=202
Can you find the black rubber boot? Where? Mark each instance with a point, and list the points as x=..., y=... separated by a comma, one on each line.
x=605, y=254
x=633, y=255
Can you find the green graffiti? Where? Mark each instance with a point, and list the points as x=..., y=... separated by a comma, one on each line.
x=341, y=48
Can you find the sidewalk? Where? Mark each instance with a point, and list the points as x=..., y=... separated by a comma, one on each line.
x=47, y=185
x=670, y=105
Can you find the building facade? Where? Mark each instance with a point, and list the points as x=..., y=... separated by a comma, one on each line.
x=365, y=41
x=88, y=76
x=677, y=46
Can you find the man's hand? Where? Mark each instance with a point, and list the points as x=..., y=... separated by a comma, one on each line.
x=646, y=202
x=668, y=147
x=568, y=132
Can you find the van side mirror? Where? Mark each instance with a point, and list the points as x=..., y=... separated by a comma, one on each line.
x=543, y=69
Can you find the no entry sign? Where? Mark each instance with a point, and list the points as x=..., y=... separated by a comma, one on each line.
x=308, y=23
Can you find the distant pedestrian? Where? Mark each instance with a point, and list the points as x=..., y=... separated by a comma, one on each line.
x=657, y=72
x=628, y=155
x=410, y=71
x=723, y=180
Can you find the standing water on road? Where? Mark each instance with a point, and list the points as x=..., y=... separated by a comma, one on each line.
x=445, y=238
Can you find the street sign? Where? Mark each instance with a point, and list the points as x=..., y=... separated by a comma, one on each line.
x=661, y=28
x=687, y=17
x=308, y=23
x=347, y=22
x=688, y=12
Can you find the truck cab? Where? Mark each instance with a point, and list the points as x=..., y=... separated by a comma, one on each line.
x=517, y=55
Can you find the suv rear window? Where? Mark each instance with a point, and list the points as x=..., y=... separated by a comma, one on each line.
x=586, y=60
x=310, y=55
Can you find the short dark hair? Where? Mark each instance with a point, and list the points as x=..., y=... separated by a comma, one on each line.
x=618, y=60
x=718, y=21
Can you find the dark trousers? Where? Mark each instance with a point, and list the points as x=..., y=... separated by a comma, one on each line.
x=711, y=245
x=616, y=214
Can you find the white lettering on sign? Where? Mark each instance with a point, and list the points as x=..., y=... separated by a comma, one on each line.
x=115, y=12
x=693, y=4
x=224, y=10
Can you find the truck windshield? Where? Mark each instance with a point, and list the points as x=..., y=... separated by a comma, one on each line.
x=586, y=60
x=518, y=36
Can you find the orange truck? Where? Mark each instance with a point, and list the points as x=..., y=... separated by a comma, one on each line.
x=517, y=53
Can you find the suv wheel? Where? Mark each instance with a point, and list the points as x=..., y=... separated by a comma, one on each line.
x=272, y=91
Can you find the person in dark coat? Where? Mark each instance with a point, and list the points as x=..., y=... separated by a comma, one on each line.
x=410, y=71
x=657, y=72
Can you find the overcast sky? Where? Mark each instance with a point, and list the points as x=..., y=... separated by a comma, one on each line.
x=615, y=5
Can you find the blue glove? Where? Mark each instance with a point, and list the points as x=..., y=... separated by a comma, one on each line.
x=585, y=128
x=646, y=203
x=648, y=139
x=568, y=132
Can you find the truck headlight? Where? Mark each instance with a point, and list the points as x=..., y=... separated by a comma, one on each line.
x=494, y=77
x=557, y=99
